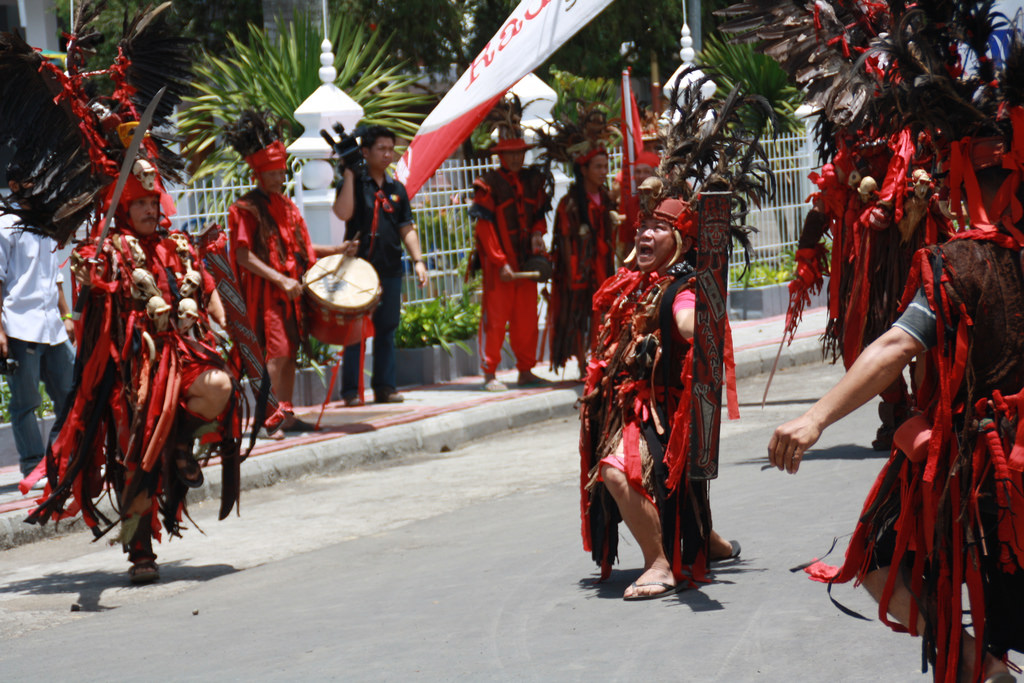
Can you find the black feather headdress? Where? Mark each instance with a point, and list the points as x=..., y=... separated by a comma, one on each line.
x=254, y=131
x=707, y=149
x=67, y=142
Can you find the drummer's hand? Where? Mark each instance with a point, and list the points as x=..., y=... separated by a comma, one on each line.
x=421, y=273
x=506, y=273
x=537, y=242
x=788, y=443
x=291, y=287
x=350, y=248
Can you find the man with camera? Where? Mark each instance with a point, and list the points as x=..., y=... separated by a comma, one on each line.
x=35, y=327
x=377, y=213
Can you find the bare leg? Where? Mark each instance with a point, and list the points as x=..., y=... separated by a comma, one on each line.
x=209, y=394
x=899, y=609
x=641, y=517
x=282, y=377
x=720, y=549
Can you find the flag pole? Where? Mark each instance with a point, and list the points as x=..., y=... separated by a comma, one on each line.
x=627, y=108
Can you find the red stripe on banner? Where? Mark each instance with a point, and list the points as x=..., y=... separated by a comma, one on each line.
x=427, y=151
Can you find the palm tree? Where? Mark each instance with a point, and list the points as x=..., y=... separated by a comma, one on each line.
x=280, y=73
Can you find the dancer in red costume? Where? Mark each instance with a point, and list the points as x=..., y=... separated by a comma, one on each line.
x=635, y=440
x=940, y=540
x=870, y=199
x=270, y=250
x=149, y=378
x=583, y=244
x=509, y=204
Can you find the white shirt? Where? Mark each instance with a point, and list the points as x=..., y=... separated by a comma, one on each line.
x=29, y=273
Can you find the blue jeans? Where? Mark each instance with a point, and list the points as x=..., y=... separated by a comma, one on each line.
x=54, y=365
x=385, y=322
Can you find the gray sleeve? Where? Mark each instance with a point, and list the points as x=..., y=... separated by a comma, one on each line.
x=919, y=320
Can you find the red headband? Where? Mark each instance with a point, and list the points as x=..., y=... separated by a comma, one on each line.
x=585, y=158
x=273, y=157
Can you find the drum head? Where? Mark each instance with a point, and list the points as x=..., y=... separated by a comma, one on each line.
x=342, y=283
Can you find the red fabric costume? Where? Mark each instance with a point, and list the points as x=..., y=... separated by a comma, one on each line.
x=874, y=236
x=144, y=339
x=637, y=393
x=271, y=227
x=582, y=249
x=509, y=209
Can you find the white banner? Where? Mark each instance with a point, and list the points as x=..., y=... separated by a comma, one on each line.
x=528, y=37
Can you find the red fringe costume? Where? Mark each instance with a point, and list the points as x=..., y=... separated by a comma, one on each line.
x=127, y=426
x=637, y=392
x=582, y=249
x=144, y=336
x=955, y=518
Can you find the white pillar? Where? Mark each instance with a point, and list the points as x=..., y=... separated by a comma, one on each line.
x=321, y=110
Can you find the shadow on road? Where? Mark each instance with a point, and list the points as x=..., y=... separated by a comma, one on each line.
x=90, y=585
x=847, y=451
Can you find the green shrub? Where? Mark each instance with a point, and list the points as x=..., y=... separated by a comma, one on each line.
x=441, y=321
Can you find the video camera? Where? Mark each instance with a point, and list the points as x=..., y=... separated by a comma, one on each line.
x=346, y=148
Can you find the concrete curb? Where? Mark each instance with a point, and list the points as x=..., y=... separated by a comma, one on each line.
x=436, y=434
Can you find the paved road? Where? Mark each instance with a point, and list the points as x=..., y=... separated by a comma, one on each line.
x=467, y=566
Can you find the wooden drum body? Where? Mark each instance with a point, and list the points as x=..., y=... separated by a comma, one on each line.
x=341, y=292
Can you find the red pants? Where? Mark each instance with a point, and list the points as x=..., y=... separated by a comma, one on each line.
x=512, y=304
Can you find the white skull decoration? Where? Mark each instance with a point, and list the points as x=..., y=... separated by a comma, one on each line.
x=188, y=313
x=190, y=283
x=922, y=183
x=144, y=284
x=138, y=256
x=868, y=186
x=145, y=173
x=159, y=311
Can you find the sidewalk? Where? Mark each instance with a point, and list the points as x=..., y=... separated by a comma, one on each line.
x=433, y=419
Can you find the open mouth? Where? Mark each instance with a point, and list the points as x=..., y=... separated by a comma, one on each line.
x=646, y=250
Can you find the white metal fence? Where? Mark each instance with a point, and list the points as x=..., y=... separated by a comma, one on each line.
x=441, y=212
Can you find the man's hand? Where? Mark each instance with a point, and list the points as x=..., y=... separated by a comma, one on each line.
x=3, y=342
x=350, y=248
x=506, y=273
x=290, y=286
x=421, y=273
x=788, y=443
x=537, y=243
x=69, y=327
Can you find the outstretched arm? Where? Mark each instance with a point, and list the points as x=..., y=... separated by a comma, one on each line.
x=876, y=368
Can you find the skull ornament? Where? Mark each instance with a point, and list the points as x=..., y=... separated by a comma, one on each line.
x=145, y=173
x=922, y=183
x=190, y=283
x=138, y=256
x=188, y=313
x=867, y=187
x=144, y=284
x=159, y=311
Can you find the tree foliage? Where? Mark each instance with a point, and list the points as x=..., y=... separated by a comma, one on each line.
x=756, y=74
x=208, y=22
x=280, y=74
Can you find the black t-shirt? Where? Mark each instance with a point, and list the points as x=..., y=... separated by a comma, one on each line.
x=383, y=250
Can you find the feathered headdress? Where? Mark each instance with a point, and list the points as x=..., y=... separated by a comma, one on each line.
x=504, y=121
x=580, y=140
x=707, y=149
x=926, y=71
x=68, y=144
x=256, y=136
